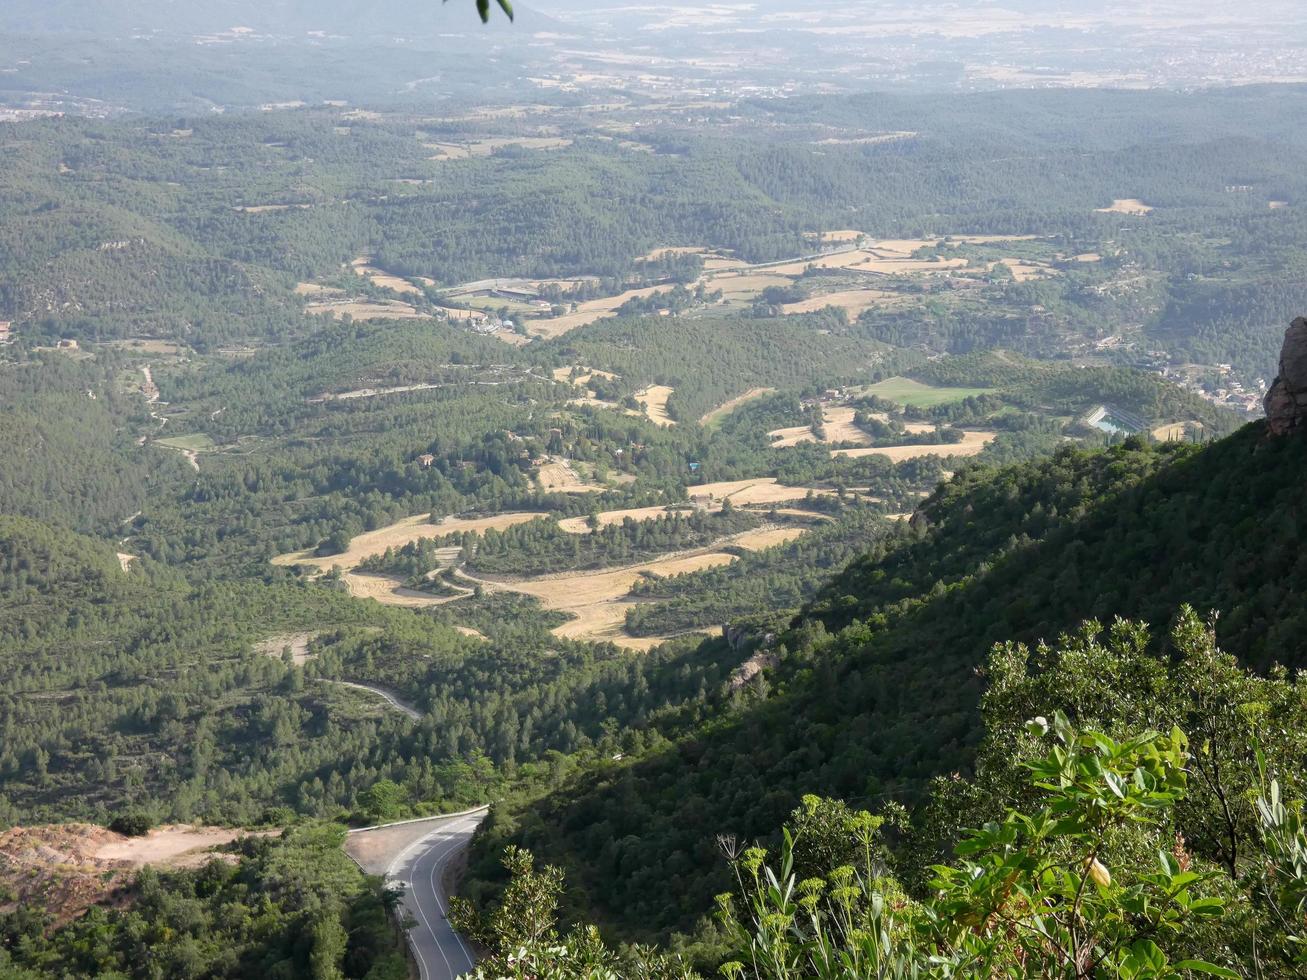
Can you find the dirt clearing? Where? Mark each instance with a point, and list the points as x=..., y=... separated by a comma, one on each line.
x=1126, y=205
x=559, y=476
x=298, y=643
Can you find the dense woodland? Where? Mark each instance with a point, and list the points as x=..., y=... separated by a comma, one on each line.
x=205, y=425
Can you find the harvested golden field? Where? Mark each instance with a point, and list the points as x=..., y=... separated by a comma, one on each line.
x=317, y=291
x=584, y=377
x=470, y=631
x=768, y=537
x=745, y=285
x=972, y=443
x=1126, y=205
x=1024, y=271
x=362, y=266
x=558, y=476
x=390, y=309
x=852, y=301
x=579, y=525
x=654, y=400
x=547, y=328
x=1176, y=431
x=399, y=534
x=587, y=312
x=389, y=590
x=761, y=491
x=597, y=599
x=727, y=407
x=837, y=420
x=125, y=561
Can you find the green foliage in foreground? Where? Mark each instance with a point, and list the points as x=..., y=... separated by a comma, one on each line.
x=1084, y=883
x=293, y=906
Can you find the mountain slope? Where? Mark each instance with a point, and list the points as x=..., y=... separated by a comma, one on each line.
x=877, y=688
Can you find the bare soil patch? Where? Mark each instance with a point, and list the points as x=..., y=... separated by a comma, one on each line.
x=1126, y=205
x=298, y=642
x=559, y=476
x=66, y=868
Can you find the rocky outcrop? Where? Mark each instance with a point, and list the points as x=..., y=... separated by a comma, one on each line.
x=1286, y=402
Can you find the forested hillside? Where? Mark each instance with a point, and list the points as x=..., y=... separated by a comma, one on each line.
x=876, y=689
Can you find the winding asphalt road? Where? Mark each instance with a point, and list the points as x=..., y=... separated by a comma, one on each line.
x=441, y=953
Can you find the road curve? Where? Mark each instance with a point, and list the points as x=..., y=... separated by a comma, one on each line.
x=441, y=953
x=382, y=692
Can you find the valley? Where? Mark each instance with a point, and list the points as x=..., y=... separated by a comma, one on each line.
x=604, y=459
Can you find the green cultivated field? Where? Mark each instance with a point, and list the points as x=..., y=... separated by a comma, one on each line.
x=905, y=391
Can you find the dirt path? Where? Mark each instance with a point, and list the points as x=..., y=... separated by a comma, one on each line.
x=389, y=696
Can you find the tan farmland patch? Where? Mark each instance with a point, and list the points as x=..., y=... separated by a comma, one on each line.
x=769, y=537
x=584, y=377
x=1175, y=431
x=362, y=266
x=1126, y=205
x=558, y=476
x=746, y=285
x=852, y=301
x=389, y=590
x=837, y=420
x=597, y=599
x=399, y=534
x=1024, y=271
x=470, y=631
x=588, y=312
x=580, y=525
x=761, y=491
x=654, y=401
x=972, y=443
x=391, y=309
x=725, y=408
x=125, y=561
